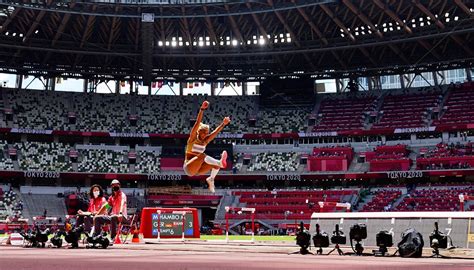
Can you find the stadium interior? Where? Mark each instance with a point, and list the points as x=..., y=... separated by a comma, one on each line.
x=335, y=107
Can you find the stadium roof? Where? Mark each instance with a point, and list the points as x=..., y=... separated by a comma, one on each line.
x=234, y=39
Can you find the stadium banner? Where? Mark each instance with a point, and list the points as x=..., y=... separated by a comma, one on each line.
x=129, y=135
x=314, y=176
x=181, y=203
x=404, y=174
x=357, y=132
x=229, y=136
x=283, y=177
x=415, y=130
x=164, y=177
x=318, y=134
x=31, y=131
x=41, y=174
x=271, y=136
x=168, y=135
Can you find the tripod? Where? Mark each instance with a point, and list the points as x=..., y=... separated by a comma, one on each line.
x=436, y=253
x=338, y=250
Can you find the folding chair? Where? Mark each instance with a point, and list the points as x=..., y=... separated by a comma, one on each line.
x=127, y=228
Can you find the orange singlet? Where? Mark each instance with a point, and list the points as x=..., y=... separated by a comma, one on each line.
x=194, y=148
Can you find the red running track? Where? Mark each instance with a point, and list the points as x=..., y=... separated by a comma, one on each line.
x=14, y=258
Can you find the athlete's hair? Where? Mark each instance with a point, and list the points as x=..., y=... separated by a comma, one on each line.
x=203, y=126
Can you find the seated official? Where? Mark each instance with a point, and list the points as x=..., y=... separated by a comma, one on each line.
x=116, y=206
x=97, y=200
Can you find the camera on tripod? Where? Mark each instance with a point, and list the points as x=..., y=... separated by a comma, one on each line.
x=303, y=239
x=320, y=240
x=438, y=240
x=383, y=239
x=358, y=232
x=338, y=238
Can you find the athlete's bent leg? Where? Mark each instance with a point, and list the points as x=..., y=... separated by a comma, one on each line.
x=192, y=166
x=205, y=168
x=222, y=163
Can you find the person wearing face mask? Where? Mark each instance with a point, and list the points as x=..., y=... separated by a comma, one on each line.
x=196, y=161
x=97, y=200
x=116, y=207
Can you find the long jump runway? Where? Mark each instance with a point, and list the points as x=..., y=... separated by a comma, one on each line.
x=208, y=257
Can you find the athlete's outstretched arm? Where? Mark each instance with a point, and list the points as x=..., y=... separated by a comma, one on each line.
x=204, y=106
x=216, y=131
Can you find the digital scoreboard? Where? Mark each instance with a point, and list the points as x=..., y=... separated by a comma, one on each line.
x=169, y=222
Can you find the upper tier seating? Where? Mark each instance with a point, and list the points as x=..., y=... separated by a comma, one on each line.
x=5, y=161
x=99, y=112
x=105, y=161
x=283, y=120
x=39, y=109
x=147, y=162
x=343, y=113
x=44, y=156
x=275, y=162
x=406, y=111
x=458, y=107
x=34, y=109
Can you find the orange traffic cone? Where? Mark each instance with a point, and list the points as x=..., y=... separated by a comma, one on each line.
x=136, y=238
x=117, y=239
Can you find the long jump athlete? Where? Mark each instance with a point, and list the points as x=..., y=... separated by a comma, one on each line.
x=196, y=161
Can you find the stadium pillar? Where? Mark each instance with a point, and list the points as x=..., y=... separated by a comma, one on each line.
x=19, y=81
x=117, y=87
x=338, y=86
x=46, y=86
x=86, y=82
x=402, y=81
x=213, y=88
x=468, y=74
x=181, y=86
x=435, y=78
x=52, y=84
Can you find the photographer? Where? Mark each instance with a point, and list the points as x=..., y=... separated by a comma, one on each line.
x=116, y=206
x=97, y=200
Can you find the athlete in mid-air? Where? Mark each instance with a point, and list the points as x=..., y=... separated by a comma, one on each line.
x=196, y=161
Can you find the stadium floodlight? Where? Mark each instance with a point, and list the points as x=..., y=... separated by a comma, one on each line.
x=148, y=17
